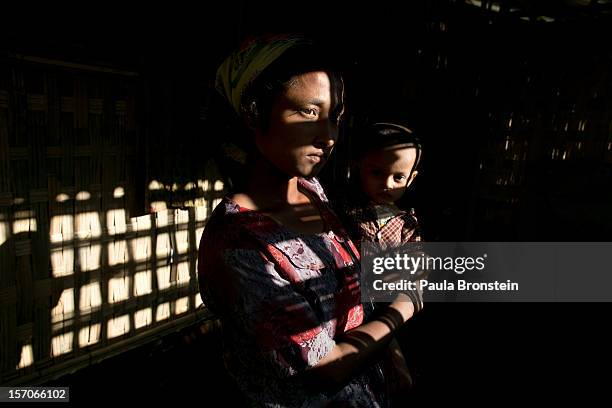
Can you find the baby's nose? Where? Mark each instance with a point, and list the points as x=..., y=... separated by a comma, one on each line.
x=389, y=182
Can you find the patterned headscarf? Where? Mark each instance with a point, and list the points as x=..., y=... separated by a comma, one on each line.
x=243, y=66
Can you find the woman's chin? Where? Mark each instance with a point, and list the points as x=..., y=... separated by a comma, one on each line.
x=310, y=170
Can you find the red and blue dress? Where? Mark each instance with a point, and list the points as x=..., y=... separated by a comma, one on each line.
x=283, y=298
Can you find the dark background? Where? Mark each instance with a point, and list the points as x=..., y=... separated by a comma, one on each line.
x=458, y=74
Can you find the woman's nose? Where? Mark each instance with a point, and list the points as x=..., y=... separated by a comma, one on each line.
x=327, y=134
x=325, y=143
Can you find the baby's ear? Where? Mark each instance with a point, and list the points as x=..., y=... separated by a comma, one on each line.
x=412, y=177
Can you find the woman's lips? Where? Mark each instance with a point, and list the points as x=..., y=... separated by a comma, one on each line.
x=316, y=158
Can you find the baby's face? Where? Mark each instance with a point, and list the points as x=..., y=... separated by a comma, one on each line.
x=385, y=174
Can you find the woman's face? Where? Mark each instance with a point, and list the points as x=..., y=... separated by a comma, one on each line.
x=303, y=126
x=385, y=174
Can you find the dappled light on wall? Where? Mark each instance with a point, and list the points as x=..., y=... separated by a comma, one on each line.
x=143, y=318
x=27, y=356
x=118, y=326
x=61, y=344
x=90, y=298
x=89, y=335
x=163, y=312
x=24, y=222
x=64, y=310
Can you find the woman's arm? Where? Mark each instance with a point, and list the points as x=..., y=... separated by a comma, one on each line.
x=358, y=348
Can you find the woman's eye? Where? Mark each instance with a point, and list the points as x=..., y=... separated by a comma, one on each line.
x=309, y=112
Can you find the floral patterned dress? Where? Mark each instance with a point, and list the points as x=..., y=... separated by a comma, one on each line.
x=283, y=298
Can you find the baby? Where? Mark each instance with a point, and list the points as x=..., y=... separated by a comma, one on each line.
x=384, y=166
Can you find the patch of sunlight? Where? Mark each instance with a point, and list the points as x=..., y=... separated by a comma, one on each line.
x=142, y=283
x=61, y=344
x=87, y=225
x=60, y=228
x=143, y=318
x=158, y=206
x=27, y=356
x=62, y=262
x=118, y=192
x=197, y=300
x=198, y=233
x=64, y=309
x=161, y=219
x=118, y=326
x=89, y=335
x=4, y=231
x=163, y=246
x=155, y=185
x=218, y=185
x=18, y=200
x=181, y=217
x=24, y=222
x=183, y=273
x=83, y=196
x=117, y=253
x=163, y=312
x=181, y=305
x=201, y=213
x=205, y=184
x=141, y=248
x=60, y=198
x=182, y=241
x=163, y=277
x=142, y=223
x=90, y=298
x=118, y=289
x=89, y=257
x=199, y=202
x=115, y=221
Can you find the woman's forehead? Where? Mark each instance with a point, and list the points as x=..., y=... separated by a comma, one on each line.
x=316, y=88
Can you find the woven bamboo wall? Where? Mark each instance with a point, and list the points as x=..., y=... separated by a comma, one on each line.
x=515, y=116
x=81, y=276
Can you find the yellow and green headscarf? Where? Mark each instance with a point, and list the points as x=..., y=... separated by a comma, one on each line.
x=243, y=66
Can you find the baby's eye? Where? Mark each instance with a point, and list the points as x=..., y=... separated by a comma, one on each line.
x=399, y=177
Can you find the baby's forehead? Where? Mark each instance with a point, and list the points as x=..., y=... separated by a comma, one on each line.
x=390, y=155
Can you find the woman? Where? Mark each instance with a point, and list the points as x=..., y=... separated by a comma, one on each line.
x=275, y=264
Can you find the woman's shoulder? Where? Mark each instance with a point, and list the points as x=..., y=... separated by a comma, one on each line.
x=227, y=223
